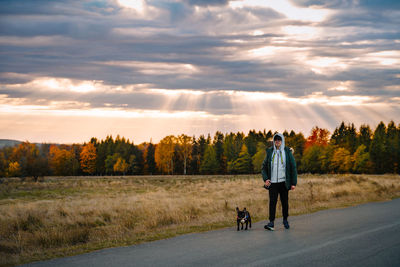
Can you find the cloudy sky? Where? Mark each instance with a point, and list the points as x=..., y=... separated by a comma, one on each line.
x=144, y=69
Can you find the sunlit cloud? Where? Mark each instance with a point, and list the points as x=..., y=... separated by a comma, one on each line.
x=61, y=84
x=286, y=8
x=155, y=68
x=342, y=87
x=324, y=65
x=178, y=92
x=36, y=41
x=301, y=32
x=386, y=58
x=138, y=5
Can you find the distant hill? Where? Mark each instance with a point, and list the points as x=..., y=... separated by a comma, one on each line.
x=8, y=142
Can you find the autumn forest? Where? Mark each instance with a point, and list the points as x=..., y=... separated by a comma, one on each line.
x=346, y=150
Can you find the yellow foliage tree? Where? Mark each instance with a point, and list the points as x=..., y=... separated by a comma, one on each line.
x=342, y=161
x=61, y=160
x=121, y=166
x=164, y=154
x=14, y=169
x=88, y=158
x=185, y=144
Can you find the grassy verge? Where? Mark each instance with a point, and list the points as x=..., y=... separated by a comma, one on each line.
x=62, y=216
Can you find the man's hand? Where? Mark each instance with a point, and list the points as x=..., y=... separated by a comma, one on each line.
x=293, y=187
x=268, y=182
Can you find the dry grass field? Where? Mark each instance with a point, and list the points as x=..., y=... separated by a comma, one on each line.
x=62, y=216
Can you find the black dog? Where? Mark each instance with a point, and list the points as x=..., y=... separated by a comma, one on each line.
x=243, y=217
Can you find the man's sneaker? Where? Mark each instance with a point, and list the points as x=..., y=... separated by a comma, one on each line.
x=269, y=226
x=286, y=224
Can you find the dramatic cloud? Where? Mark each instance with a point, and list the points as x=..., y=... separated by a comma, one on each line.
x=219, y=64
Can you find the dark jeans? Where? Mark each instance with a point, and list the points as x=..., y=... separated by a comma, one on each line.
x=274, y=190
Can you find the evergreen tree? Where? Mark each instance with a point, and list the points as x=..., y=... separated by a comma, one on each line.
x=392, y=148
x=310, y=160
x=209, y=164
x=259, y=157
x=297, y=142
x=134, y=165
x=268, y=138
x=150, y=161
x=364, y=136
x=229, y=147
x=243, y=164
x=338, y=136
x=3, y=164
x=251, y=141
x=203, y=143
x=345, y=136
x=378, y=148
x=110, y=161
x=325, y=158
x=219, y=152
x=361, y=158
x=195, y=161
x=351, y=138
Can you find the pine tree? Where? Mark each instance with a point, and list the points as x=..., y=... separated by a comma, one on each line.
x=392, y=148
x=209, y=165
x=3, y=164
x=364, y=136
x=310, y=160
x=243, y=164
x=377, y=149
x=297, y=142
x=150, y=160
x=195, y=161
x=361, y=158
x=259, y=157
x=218, y=144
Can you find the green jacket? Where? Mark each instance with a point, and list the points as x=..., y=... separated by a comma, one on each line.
x=291, y=170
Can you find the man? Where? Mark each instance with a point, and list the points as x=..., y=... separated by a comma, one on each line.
x=280, y=175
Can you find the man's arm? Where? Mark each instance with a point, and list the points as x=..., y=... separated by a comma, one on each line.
x=264, y=169
x=293, y=170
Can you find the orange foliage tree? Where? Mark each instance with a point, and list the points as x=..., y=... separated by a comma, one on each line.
x=31, y=162
x=318, y=137
x=61, y=161
x=88, y=158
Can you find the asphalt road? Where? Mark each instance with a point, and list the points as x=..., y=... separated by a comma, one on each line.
x=365, y=235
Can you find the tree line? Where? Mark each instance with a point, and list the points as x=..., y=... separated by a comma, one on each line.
x=346, y=150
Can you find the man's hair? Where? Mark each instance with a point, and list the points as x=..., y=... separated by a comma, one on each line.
x=277, y=137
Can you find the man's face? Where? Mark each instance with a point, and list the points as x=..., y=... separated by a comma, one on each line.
x=278, y=143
